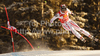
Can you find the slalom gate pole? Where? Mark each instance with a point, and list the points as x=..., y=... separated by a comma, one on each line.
x=20, y=35
x=10, y=30
x=16, y=32
x=25, y=39
x=12, y=41
x=7, y=14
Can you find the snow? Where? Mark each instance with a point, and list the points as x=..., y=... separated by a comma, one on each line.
x=55, y=53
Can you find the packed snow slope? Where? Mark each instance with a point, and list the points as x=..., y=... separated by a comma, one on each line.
x=55, y=53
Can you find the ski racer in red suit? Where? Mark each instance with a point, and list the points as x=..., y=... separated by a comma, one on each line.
x=70, y=25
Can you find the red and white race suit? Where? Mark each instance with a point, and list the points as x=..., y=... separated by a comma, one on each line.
x=68, y=24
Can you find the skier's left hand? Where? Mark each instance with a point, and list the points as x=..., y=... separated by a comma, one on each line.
x=73, y=14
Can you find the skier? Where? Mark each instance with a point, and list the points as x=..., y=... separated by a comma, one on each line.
x=69, y=24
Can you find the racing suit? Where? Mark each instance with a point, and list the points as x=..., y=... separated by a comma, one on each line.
x=70, y=25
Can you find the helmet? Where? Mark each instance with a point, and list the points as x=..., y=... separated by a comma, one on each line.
x=63, y=7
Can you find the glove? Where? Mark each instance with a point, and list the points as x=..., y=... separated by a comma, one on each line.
x=73, y=14
x=51, y=24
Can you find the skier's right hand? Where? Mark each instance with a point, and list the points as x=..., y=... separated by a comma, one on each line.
x=51, y=24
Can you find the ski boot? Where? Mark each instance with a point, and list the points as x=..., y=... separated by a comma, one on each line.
x=82, y=39
x=92, y=37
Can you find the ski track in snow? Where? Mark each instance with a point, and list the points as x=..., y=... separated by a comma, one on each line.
x=55, y=53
